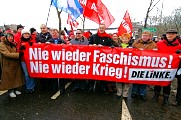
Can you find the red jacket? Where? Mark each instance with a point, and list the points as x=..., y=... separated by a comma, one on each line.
x=169, y=47
x=17, y=37
x=23, y=43
x=33, y=36
x=17, y=40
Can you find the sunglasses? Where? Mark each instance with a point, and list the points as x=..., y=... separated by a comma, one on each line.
x=78, y=33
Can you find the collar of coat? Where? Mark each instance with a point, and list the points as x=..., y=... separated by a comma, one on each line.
x=174, y=42
x=6, y=42
x=143, y=42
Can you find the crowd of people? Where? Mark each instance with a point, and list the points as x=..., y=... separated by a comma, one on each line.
x=14, y=72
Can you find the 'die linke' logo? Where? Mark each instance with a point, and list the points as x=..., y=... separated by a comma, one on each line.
x=36, y=66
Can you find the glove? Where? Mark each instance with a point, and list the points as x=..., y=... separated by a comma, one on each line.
x=30, y=43
x=22, y=47
x=178, y=51
x=21, y=54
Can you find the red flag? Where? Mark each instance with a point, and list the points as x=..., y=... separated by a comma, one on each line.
x=72, y=23
x=126, y=25
x=96, y=11
x=83, y=3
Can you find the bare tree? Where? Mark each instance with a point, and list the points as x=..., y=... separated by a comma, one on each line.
x=150, y=8
x=59, y=19
x=176, y=18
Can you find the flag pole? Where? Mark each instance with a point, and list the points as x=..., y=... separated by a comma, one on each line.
x=49, y=12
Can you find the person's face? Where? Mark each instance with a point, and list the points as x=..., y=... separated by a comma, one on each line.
x=44, y=29
x=145, y=37
x=20, y=29
x=102, y=28
x=79, y=34
x=55, y=34
x=34, y=33
x=26, y=35
x=171, y=36
x=10, y=38
x=115, y=37
x=62, y=37
x=125, y=40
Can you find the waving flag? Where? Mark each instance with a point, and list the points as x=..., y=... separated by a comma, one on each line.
x=72, y=7
x=72, y=23
x=126, y=25
x=83, y=3
x=96, y=11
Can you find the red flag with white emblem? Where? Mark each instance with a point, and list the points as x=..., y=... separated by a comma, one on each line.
x=126, y=25
x=96, y=11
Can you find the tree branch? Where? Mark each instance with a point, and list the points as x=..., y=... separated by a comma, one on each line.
x=154, y=5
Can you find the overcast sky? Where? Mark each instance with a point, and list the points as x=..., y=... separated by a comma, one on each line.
x=32, y=13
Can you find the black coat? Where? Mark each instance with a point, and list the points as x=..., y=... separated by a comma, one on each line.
x=43, y=38
x=105, y=41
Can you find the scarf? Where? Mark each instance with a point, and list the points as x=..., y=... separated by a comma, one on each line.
x=103, y=34
x=25, y=39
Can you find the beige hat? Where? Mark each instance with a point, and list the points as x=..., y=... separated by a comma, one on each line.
x=25, y=31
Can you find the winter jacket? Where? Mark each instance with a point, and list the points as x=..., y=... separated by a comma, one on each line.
x=33, y=36
x=169, y=46
x=22, y=43
x=83, y=41
x=149, y=45
x=17, y=39
x=56, y=41
x=105, y=41
x=12, y=76
x=43, y=38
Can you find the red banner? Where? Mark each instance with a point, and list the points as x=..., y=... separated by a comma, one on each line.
x=101, y=63
x=96, y=11
x=126, y=25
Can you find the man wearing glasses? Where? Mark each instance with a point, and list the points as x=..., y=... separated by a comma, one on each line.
x=79, y=40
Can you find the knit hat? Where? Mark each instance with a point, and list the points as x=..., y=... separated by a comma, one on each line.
x=25, y=31
x=32, y=30
x=20, y=26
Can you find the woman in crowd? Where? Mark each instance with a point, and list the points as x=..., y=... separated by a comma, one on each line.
x=125, y=38
x=12, y=77
x=116, y=40
x=26, y=38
